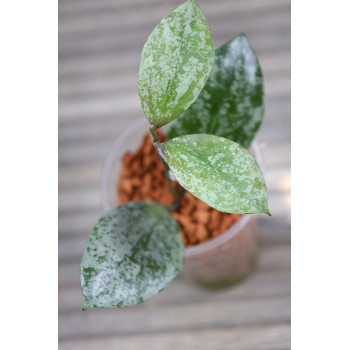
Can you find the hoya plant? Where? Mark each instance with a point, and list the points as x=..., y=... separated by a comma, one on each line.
x=213, y=103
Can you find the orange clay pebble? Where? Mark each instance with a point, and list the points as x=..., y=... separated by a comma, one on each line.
x=215, y=220
x=190, y=229
x=235, y=217
x=126, y=186
x=147, y=181
x=135, y=166
x=226, y=222
x=136, y=197
x=126, y=159
x=202, y=216
x=202, y=206
x=201, y=233
x=166, y=197
x=184, y=237
x=136, y=182
x=125, y=173
x=185, y=221
x=123, y=198
x=215, y=233
x=147, y=161
x=184, y=204
x=144, y=192
x=186, y=210
x=192, y=200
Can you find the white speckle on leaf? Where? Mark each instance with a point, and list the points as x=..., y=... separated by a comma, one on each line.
x=116, y=274
x=219, y=172
x=175, y=63
x=231, y=103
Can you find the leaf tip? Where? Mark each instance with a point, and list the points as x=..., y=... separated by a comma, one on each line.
x=89, y=305
x=265, y=207
x=86, y=307
x=266, y=210
x=241, y=35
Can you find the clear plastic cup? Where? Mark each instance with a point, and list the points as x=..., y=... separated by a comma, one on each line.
x=221, y=261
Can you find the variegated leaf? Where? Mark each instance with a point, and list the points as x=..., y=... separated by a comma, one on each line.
x=219, y=172
x=175, y=63
x=231, y=103
x=133, y=252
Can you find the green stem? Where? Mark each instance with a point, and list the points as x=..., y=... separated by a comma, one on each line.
x=159, y=147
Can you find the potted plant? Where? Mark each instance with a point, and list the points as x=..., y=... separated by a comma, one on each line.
x=212, y=103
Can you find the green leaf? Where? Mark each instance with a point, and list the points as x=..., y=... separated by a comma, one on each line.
x=231, y=104
x=219, y=172
x=175, y=63
x=133, y=252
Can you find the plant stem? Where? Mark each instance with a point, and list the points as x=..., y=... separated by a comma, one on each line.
x=159, y=147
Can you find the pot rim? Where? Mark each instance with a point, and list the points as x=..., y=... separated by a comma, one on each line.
x=191, y=250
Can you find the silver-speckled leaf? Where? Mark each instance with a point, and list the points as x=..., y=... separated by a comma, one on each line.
x=133, y=252
x=175, y=63
x=219, y=172
x=231, y=103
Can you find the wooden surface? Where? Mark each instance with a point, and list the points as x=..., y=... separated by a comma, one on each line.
x=100, y=43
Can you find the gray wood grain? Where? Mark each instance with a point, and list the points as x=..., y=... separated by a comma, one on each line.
x=267, y=337
x=71, y=244
x=271, y=258
x=182, y=317
x=100, y=43
x=261, y=284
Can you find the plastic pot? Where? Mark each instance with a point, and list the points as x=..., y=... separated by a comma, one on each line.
x=221, y=261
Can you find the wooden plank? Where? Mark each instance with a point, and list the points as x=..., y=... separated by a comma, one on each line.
x=274, y=231
x=120, y=104
x=90, y=200
x=71, y=242
x=277, y=114
x=272, y=258
x=75, y=134
x=122, y=39
x=128, y=101
x=267, y=337
x=79, y=175
x=79, y=223
x=73, y=181
x=95, y=150
x=260, y=39
x=260, y=284
x=144, y=14
x=87, y=174
x=79, y=199
x=77, y=7
x=182, y=317
x=263, y=43
x=117, y=104
x=279, y=203
x=275, y=154
x=107, y=78
x=72, y=225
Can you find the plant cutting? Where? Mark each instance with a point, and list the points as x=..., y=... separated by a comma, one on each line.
x=212, y=103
